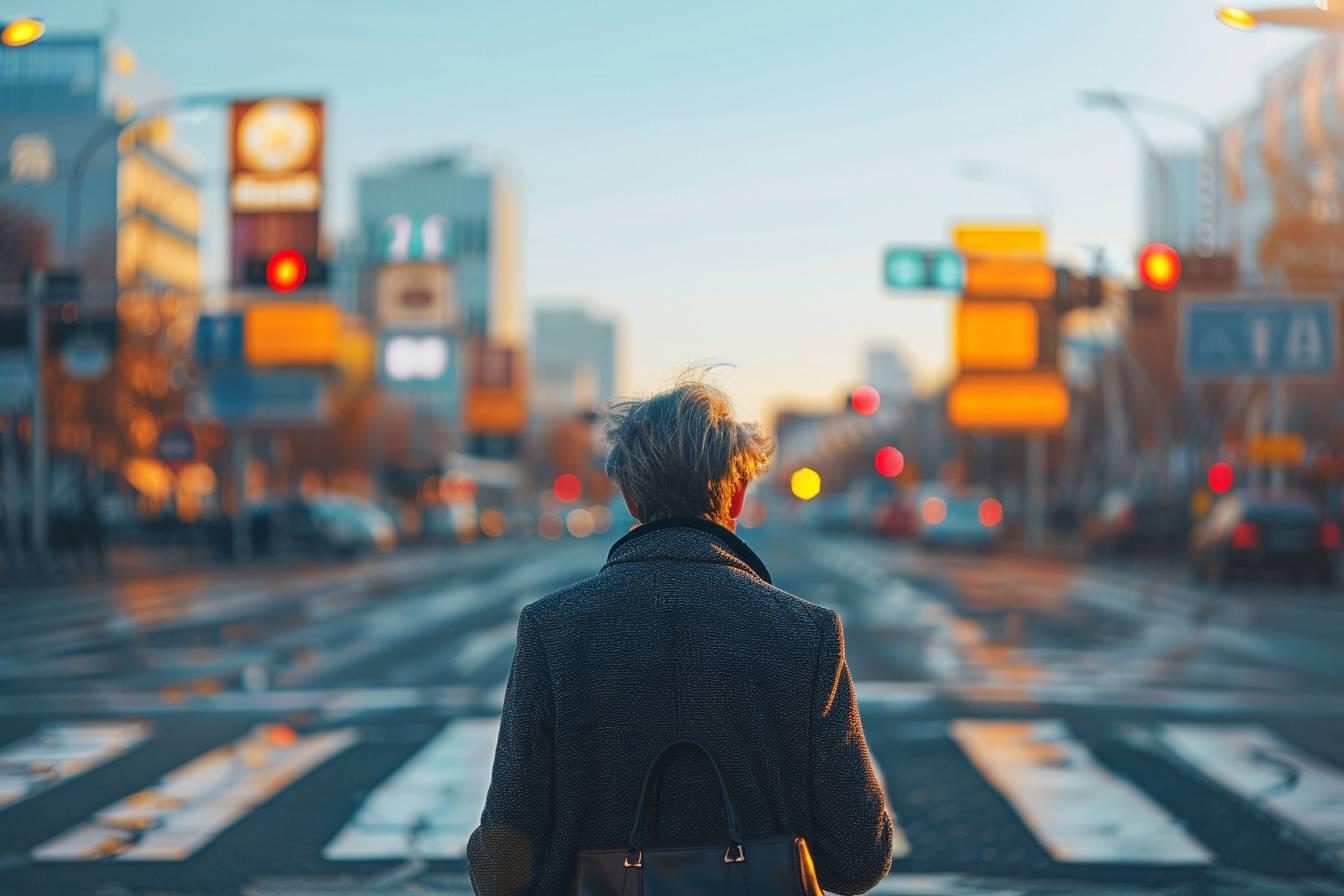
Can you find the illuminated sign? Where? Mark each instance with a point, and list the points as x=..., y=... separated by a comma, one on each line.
x=276, y=155
x=495, y=401
x=1008, y=402
x=416, y=358
x=415, y=294
x=997, y=335
x=291, y=334
x=405, y=238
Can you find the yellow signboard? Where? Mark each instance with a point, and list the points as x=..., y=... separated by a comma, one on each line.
x=292, y=334
x=998, y=335
x=991, y=240
x=1015, y=402
x=1008, y=278
x=1286, y=449
x=496, y=399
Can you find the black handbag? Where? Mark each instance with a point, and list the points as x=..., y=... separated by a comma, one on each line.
x=751, y=866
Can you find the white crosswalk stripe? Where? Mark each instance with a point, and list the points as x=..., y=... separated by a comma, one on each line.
x=61, y=751
x=1078, y=810
x=430, y=806
x=199, y=800
x=1270, y=773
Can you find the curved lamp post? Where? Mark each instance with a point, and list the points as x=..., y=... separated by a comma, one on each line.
x=1323, y=16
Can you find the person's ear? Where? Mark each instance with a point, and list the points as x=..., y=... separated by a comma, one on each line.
x=630, y=506
x=739, y=499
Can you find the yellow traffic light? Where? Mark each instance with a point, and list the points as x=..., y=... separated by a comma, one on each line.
x=806, y=483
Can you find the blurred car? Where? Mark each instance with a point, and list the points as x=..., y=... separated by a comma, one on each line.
x=966, y=518
x=896, y=518
x=338, y=525
x=829, y=513
x=1126, y=522
x=1266, y=532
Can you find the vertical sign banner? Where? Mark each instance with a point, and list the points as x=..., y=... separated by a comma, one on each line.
x=496, y=401
x=275, y=177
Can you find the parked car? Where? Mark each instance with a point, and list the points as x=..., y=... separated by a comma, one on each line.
x=1252, y=532
x=966, y=518
x=1126, y=522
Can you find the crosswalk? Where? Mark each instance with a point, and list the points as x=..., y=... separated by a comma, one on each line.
x=1069, y=800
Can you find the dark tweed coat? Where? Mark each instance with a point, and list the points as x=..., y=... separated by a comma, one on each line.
x=680, y=635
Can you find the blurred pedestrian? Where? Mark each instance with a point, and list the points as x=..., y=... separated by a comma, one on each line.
x=680, y=636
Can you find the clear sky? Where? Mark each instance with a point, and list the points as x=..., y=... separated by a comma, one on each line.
x=723, y=176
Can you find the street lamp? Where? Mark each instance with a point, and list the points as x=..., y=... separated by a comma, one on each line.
x=1324, y=16
x=1124, y=104
x=22, y=32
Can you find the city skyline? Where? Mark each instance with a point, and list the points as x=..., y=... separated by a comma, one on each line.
x=708, y=176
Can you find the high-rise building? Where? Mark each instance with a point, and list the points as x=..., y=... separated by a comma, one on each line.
x=447, y=208
x=574, y=363
x=1176, y=201
x=887, y=371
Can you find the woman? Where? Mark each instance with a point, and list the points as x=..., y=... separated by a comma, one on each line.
x=679, y=635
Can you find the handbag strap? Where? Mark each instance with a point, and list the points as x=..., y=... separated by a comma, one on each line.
x=654, y=778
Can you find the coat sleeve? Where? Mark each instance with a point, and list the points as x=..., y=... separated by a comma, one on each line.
x=851, y=830
x=507, y=852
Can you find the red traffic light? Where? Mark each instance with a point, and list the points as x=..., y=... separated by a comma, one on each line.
x=286, y=270
x=1221, y=478
x=1159, y=267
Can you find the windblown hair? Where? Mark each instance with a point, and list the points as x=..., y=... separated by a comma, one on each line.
x=681, y=453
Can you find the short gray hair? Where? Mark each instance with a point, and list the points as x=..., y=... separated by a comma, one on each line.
x=681, y=453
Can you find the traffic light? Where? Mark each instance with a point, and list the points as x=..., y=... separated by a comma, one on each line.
x=1221, y=478
x=865, y=401
x=1159, y=267
x=285, y=271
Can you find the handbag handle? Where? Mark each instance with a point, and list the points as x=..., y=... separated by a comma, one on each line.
x=654, y=775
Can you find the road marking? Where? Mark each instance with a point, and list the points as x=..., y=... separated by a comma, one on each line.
x=430, y=806
x=1272, y=774
x=61, y=751
x=483, y=647
x=196, y=802
x=1074, y=807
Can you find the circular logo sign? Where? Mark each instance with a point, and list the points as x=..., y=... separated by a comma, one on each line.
x=86, y=357
x=276, y=136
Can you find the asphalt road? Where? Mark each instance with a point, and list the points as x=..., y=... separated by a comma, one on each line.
x=1041, y=725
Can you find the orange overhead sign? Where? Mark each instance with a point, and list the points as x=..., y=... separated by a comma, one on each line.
x=1000, y=239
x=1008, y=278
x=1012, y=402
x=1287, y=449
x=998, y=335
x=292, y=334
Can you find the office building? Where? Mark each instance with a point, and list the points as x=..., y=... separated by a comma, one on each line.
x=574, y=360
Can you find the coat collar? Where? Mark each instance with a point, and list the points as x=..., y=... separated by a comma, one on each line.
x=626, y=549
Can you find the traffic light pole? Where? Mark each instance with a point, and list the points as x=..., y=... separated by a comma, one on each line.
x=37, y=464
x=1035, y=503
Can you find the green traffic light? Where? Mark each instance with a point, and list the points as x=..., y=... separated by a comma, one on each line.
x=906, y=269
x=947, y=270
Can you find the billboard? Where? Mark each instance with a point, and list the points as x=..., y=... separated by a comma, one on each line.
x=275, y=155
x=496, y=400
x=415, y=294
x=292, y=334
x=416, y=359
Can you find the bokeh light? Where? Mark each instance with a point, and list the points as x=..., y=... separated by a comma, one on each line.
x=889, y=461
x=991, y=513
x=934, y=511
x=1221, y=478
x=579, y=521
x=550, y=526
x=493, y=523
x=865, y=400
x=568, y=488
x=805, y=483
x=601, y=518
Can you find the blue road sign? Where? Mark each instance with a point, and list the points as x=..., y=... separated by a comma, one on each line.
x=219, y=339
x=239, y=395
x=1266, y=337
